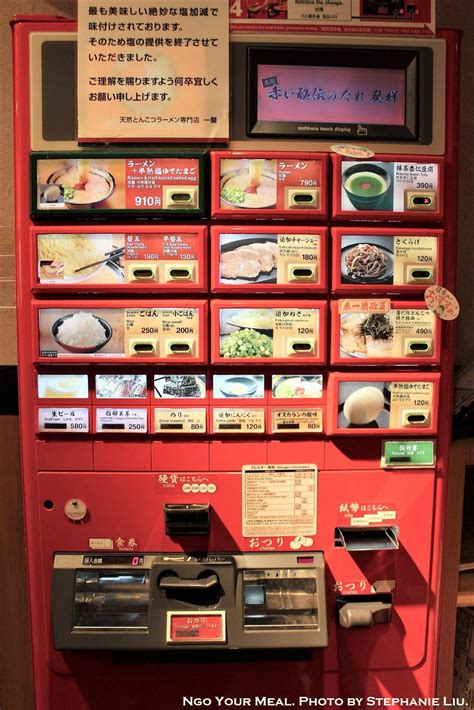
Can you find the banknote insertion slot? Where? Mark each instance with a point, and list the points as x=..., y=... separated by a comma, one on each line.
x=363, y=610
x=416, y=418
x=187, y=519
x=367, y=538
x=280, y=598
x=180, y=197
x=298, y=198
x=111, y=599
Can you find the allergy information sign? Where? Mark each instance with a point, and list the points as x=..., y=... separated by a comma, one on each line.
x=153, y=70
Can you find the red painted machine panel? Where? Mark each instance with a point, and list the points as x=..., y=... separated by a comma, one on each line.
x=267, y=184
x=117, y=259
x=246, y=332
x=383, y=403
x=369, y=331
x=159, y=331
x=258, y=259
x=378, y=261
x=407, y=189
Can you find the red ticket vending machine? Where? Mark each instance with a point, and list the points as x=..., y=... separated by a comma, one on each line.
x=230, y=382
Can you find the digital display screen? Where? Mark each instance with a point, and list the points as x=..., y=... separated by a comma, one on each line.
x=106, y=560
x=334, y=95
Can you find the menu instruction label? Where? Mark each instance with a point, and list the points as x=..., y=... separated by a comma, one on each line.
x=279, y=500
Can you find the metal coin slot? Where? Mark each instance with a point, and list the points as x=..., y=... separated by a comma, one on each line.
x=302, y=272
x=367, y=538
x=179, y=348
x=143, y=274
x=180, y=198
x=303, y=198
x=298, y=198
x=420, y=275
x=140, y=347
x=419, y=347
x=424, y=200
x=187, y=518
x=415, y=419
x=301, y=346
x=175, y=273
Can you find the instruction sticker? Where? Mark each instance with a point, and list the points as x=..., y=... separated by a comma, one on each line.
x=279, y=500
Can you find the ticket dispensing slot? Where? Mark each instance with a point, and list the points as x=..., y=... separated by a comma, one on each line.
x=367, y=538
x=363, y=610
x=187, y=519
x=180, y=197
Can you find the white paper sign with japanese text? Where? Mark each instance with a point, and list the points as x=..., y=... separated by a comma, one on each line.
x=153, y=70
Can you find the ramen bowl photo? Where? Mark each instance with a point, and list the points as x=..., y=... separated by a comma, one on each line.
x=81, y=332
x=366, y=185
x=83, y=185
x=251, y=186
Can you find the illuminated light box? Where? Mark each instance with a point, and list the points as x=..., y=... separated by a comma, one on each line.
x=336, y=92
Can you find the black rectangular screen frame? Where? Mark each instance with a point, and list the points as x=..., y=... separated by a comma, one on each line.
x=416, y=62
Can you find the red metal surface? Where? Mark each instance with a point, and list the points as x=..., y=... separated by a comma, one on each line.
x=120, y=481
